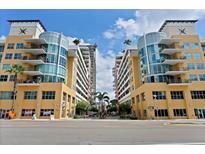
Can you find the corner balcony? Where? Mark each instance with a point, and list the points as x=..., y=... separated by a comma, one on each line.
x=37, y=41
x=28, y=83
x=173, y=61
x=179, y=82
x=35, y=50
x=169, y=41
x=33, y=61
x=32, y=72
x=175, y=71
x=171, y=51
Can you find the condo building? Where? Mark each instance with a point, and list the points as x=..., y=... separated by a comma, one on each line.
x=55, y=75
x=167, y=73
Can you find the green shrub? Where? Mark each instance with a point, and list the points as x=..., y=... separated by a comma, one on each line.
x=82, y=108
x=125, y=108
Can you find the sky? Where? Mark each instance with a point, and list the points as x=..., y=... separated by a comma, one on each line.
x=107, y=28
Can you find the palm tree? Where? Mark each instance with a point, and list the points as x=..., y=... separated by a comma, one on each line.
x=102, y=98
x=15, y=69
x=76, y=41
x=127, y=42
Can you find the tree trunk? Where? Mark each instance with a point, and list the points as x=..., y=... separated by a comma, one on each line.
x=14, y=92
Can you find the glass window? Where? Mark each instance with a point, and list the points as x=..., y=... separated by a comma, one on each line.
x=202, y=77
x=200, y=66
x=63, y=52
x=6, y=95
x=190, y=66
x=195, y=45
x=19, y=46
x=62, y=71
x=10, y=46
x=161, y=113
x=186, y=45
x=48, y=95
x=30, y=95
x=52, y=48
x=179, y=112
x=6, y=67
x=188, y=55
x=159, y=95
x=51, y=58
x=17, y=56
x=27, y=112
x=47, y=112
x=62, y=61
x=3, y=78
x=0, y=57
x=12, y=77
x=8, y=56
x=193, y=77
x=198, y=94
x=197, y=56
x=177, y=95
x=1, y=48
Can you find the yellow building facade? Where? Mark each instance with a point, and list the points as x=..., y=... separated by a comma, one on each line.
x=167, y=73
x=45, y=87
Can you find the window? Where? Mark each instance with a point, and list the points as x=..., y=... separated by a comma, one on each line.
x=177, y=95
x=143, y=97
x=190, y=66
x=62, y=61
x=0, y=57
x=17, y=56
x=51, y=58
x=27, y=112
x=6, y=67
x=198, y=94
x=195, y=45
x=202, y=77
x=161, y=113
x=10, y=46
x=188, y=56
x=138, y=98
x=200, y=66
x=186, y=45
x=1, y=48
x=47, y=112
x=159, y=95
x=19, y=46
x=3, y=78
x=8, y=56
x=48, y=95
x=179, y=112
x=12, y=77
x=197, y=56
x=6, y=95
x=30, y=94
x=193, y=77
x=63, y=52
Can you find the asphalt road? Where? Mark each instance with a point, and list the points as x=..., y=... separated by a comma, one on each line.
x=108, y=132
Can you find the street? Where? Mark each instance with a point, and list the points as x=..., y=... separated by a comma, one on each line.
x=108, y=132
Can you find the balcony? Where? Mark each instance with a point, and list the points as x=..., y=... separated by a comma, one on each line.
x=33, y=60
x=170, y=51
x=169, y=41
x=173, y=61
x=175, y=71
x=35, y=50
x=32, y=72
x=179, y=82
x=28, y=83
x=37, y=41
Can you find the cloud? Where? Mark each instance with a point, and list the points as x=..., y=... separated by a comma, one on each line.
x=105, y=62
x=145, y=21
x=2, y=37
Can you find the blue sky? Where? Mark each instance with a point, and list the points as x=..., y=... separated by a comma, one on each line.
x=107, y=28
